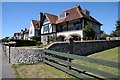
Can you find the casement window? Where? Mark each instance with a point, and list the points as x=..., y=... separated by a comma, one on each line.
x=46, y=28
x=77, y=24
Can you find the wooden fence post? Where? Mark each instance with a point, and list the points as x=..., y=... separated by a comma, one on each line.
x=70, y=50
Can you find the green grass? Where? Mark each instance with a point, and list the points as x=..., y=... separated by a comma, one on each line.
x=111, y=55
x=38, y=70
x=41, y=70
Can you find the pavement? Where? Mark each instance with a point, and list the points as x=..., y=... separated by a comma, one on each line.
x=7, y=70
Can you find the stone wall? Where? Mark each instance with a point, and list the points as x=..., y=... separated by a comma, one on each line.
x=84, y=48
x=19, y=55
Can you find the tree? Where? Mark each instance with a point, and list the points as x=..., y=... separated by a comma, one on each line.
x=116, y=33
x=88, y=32
x=5, y=39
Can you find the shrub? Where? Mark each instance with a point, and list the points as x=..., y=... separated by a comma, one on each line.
x=35, y=38
x=24, y=42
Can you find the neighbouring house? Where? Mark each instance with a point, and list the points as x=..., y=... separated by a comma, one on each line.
x=34, y=29
x=21, y=35
x=26, y=34
x=17, y=35
x=69, y=23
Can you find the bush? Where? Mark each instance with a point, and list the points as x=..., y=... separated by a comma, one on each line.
x=35, y=38
x=24, y=42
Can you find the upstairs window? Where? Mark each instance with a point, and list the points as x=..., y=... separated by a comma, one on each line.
x=62, y=15
x=46, y=28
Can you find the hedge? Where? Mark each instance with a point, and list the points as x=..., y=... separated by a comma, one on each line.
x=24, y=42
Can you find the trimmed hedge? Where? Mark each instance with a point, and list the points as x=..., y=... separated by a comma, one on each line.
x=24, y=42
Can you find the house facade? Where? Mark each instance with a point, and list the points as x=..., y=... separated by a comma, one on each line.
x=22, y=35
x=34, y=29
x=69, y=23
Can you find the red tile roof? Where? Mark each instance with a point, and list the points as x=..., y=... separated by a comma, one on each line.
x=73, y=13
x=51, y=17
x=36, y=24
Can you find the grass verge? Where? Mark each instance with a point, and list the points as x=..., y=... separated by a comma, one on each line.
x=41, y=70
x=38, y=70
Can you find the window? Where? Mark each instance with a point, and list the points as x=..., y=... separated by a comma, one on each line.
x=46, y=28
x=62, y=15
x=77, y=24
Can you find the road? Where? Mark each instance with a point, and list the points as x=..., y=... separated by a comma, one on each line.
x=7, y=71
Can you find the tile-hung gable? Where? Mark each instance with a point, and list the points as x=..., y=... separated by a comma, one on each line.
x=67, y=24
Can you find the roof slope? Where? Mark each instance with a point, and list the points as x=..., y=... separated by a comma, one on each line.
x=36, y=24
x=73, y=13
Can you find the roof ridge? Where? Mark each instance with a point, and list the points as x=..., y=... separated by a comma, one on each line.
x=72, y=8
x=51, y=14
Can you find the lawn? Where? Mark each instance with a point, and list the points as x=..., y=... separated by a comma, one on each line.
x=41, y=70
x=111, y=55
x=38, y=70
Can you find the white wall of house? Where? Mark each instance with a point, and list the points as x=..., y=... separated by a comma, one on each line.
x=31, y=30
x=25, y=36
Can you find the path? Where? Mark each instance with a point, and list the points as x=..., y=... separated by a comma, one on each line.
x=7, y=71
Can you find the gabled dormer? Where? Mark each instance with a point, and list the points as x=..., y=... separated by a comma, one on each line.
x=63, y=15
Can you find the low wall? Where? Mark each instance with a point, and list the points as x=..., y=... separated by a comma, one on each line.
x=84, y=48
x=20, y=55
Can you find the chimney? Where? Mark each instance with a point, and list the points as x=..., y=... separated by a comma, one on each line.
x=86, y=12
x=25, y=29
x=79, y=7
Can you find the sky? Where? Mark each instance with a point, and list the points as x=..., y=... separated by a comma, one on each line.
x=18, y=15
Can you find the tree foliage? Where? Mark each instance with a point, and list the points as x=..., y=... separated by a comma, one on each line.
x=5, y=39
x=88, y=32
x=116, y=32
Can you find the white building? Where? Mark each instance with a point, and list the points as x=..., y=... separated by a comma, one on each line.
x=68, y=24
x=34, y=29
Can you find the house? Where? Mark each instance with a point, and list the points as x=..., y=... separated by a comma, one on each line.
x=17, y=35
x=34, y=29
x=26, y=34
x=21, y=35
x=69, y=23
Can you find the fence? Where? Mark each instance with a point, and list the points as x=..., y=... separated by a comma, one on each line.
x=63, y=62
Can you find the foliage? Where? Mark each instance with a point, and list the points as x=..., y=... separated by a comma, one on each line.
x=51, y=38
x=35, y=38
x=104, y=35
x=6, y=39
x=38, y=43
x=116, y=32
x=24, y=42
x=88, y=32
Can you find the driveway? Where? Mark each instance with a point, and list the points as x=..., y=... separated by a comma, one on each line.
x=7, y=71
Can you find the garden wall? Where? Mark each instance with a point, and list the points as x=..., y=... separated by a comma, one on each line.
x=20, y=55
x=84, y=48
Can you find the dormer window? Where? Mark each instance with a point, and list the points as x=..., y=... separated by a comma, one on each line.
x=63, y=14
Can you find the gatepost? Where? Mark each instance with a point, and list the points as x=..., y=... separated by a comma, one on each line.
x=70, y=50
